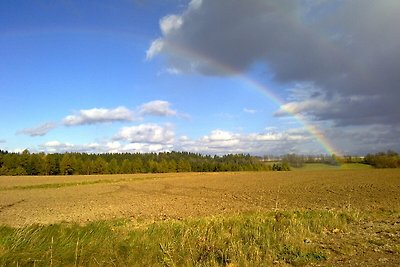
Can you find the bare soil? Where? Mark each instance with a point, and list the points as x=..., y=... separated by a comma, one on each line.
x=371, y=242
x=191, y=194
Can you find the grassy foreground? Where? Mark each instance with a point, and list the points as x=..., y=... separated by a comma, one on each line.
x=250, y=239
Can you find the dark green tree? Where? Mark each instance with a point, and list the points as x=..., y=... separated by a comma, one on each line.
x=68, y=164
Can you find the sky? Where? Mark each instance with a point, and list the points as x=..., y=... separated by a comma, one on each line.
x=263, y=77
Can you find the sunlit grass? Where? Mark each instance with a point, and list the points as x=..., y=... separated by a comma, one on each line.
x=78, y=183
x=250, y=239
x=322, y=166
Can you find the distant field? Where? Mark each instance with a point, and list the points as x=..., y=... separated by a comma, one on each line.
x=322, y=166
x=349, y=215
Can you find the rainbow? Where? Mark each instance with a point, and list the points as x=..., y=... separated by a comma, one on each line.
x=184, y=52
x=312, y=129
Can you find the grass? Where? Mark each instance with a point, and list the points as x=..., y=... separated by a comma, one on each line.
x=247, y=239
x=67, y=184
x=322, y=166
x=58, y=185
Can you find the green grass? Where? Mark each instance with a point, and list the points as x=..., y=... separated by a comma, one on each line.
x=355, y=166
x=250, y=239
x=68, y=184
x=58, y=185
x=322, y=166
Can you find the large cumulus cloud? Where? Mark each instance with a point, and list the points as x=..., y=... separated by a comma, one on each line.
x=347, y=50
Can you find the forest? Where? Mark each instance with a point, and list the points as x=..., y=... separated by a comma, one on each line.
x=27, y=163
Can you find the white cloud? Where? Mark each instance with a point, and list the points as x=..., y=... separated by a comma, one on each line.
x=146, y=148
x=155, y=48
x=53, y=144
x=114, y=146
x=120, y=114
x=147, y=133
x=249, y=111
x=156, y=138
x=18, y=150
x=173, y=71
x=99, y=115
x=157, y=108
x=94, y=147
x=313, y=105
x=184, y=138
x=147, y=138
x=40, y=130
x=219, y=135
x=143, y=138
x=58, y=147
x=223, y=142
x=170, y=23
x=219, y=139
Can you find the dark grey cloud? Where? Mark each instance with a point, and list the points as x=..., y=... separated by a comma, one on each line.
x=365, y=139
x=349, y=50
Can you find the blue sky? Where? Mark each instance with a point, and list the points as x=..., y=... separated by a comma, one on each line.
x=202, y=76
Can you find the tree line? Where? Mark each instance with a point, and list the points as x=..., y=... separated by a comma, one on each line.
x=390, y=159
x=26, y=163
x=298, y=161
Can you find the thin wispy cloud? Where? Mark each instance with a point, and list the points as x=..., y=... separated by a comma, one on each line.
x=249, y=111
x=39, y=130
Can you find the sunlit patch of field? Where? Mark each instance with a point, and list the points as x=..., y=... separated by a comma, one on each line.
x=320, y=217
x=322, y=166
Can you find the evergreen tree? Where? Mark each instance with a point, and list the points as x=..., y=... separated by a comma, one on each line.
x=126, y=167
x=183, y=165
x=113, y=166
x=68, y=164
x=100, y=166
x=137, y=165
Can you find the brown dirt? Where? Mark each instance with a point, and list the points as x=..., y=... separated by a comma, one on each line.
x=192, y=194
x=371, y=242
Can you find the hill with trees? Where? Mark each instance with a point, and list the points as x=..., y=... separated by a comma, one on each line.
x=27, y=163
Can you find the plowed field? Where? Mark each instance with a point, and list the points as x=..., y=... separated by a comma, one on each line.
x=373, y=240
x=27, y=200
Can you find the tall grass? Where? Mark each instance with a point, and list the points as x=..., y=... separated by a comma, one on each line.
x=250, y=239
